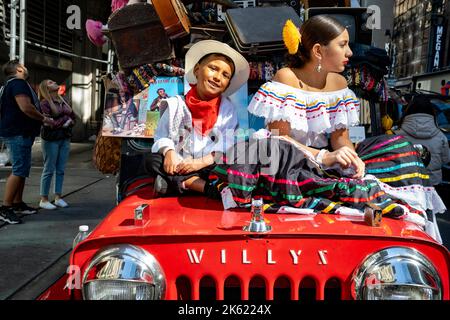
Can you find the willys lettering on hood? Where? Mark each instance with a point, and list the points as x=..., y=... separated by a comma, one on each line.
x=196, y=256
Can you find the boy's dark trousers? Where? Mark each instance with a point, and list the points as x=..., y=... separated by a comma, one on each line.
x=154, y=165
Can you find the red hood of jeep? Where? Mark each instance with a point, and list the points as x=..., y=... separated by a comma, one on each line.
x=197, y=215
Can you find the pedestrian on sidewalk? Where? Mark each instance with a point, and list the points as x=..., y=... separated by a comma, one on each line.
x=20, y=122
x=419, y=125
x=55, y=142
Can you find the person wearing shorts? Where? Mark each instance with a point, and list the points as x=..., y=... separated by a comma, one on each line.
x=20, y=123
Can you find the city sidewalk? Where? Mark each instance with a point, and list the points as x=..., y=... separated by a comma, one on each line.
x=31, y=249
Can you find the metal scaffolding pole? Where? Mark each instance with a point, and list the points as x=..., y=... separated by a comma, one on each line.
x=110, y=66
x=65, y=52
x=22, y=31
x=12, y=29
x=23, y=42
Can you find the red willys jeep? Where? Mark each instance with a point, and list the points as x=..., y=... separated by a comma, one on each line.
x=190, y=248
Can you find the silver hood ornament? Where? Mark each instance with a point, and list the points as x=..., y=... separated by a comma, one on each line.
x=257, y=223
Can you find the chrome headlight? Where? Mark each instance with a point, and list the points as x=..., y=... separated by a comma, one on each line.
x=396, y=273
x=123, y=272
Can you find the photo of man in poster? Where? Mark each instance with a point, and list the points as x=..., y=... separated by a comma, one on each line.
x=137, y=115
x=156, y=104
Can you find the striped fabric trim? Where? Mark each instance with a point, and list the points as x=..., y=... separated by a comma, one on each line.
x=241, y=187
x=236, y=173
x=330, y=207
x=389, y=208
x=342, y=186
x=396, y=146
x=286, y=181
x=395, y=156
x=412, y=210
x=405, y=176
x=283, y=195
x=241, y=200
x=273, y=95
x=273, y=194
x=382, y=144
x=359, y=187
x=243, y=174
x=393, y=168
x=383, y=202
x=310, y=107
x=314, y=203
x=357, y=200
x=299, y=204
x=319, y=190
x=292, y=196
x=256, y=176
x=220, y=170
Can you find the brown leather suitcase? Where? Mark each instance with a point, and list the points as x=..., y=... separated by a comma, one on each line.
x=138, y=36
x=259, y=30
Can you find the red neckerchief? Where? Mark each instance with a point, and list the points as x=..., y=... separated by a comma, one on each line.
x=202, y=111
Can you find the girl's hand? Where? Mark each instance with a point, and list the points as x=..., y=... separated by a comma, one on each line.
x=360, y=169
x=345, y=157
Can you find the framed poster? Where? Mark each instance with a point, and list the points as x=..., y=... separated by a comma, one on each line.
x=137, y=116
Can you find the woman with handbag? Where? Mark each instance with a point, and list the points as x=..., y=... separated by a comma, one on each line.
x=55, y=142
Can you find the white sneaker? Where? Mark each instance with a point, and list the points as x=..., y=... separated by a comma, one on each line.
x=46, y=205
x=61, y=203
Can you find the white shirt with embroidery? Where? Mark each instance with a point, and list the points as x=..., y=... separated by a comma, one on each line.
x=189, y=143
x=312, y=115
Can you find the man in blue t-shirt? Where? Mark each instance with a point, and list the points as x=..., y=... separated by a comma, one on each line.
x=20, y=123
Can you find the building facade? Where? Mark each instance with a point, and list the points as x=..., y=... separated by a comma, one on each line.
x=62, y=52
x=420, y=36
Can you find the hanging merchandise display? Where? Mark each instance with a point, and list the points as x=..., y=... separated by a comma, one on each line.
x=366, y=84
x=262, y=70
x=365, y=74
x=142, y=76
x=364, y=112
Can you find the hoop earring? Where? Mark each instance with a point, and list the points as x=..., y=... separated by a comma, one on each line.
x=319, y=66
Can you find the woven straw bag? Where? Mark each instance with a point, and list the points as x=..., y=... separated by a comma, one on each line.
x=106, y=155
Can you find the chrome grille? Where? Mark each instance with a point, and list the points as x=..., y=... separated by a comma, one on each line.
x=259, y=288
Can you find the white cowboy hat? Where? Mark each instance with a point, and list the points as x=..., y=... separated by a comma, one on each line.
x=205, y=47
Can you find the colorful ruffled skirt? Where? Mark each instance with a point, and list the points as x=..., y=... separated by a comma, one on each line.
x=288, y=179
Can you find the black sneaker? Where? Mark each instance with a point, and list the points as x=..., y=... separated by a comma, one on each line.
x=161, y=185
x=213, y=188
x=7, y=214
x=163, y=188
x=23, y=208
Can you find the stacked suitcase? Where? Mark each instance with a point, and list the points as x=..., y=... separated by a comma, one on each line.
x=259, y=30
